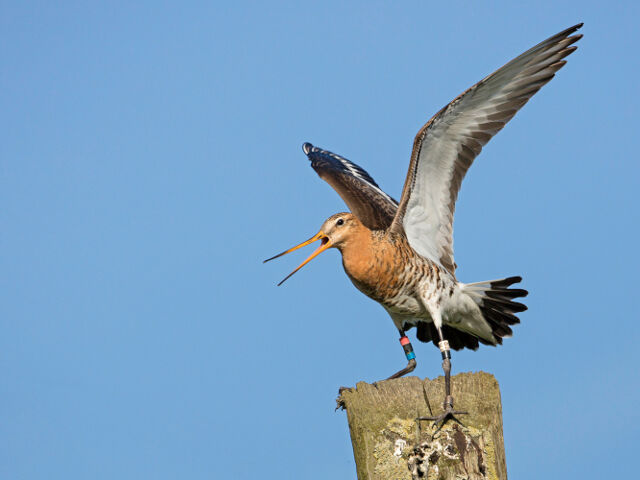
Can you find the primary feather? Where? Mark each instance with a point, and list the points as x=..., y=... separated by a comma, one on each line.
x=446, y=145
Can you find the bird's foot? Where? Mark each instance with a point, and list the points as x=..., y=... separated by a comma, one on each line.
x=449, y=413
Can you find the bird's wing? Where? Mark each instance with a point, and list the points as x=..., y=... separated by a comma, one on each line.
x=446, y=145
x=374, y=208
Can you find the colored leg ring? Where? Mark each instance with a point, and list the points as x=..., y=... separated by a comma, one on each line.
x=408, y=349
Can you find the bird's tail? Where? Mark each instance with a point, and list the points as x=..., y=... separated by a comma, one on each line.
x=495, y=299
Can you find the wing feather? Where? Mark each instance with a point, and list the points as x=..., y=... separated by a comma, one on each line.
x=366, y=200
x=446, y=146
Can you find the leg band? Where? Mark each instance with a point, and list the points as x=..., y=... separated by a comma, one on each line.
x=444, y=349
x=408, y=349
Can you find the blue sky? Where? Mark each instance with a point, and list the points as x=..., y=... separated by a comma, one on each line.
x=150, y=160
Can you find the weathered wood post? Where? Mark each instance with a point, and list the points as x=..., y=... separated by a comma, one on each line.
x=389, y=444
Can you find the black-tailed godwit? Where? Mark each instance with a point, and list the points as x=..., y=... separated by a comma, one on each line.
x=401, y=254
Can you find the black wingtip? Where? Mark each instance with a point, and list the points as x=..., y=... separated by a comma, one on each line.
x=307, y=148
x=575, y=28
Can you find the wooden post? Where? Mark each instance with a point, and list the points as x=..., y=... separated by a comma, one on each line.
x=389, y=444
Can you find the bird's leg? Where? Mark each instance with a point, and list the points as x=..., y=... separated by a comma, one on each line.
x=411, y=364
x=449, y=412
x=411, y=357
x=446, y=366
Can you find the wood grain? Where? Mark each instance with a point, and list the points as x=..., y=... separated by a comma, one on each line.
x=388, y=442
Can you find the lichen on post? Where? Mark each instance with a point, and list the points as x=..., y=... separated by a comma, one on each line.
x=389, y=443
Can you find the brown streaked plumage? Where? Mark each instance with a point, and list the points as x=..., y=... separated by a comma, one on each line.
x=401, y=254
x=360, y=192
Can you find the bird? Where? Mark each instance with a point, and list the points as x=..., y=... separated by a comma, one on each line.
x=400, y=254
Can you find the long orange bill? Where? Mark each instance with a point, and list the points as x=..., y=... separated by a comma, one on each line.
x=317, y=236
x=323, y=246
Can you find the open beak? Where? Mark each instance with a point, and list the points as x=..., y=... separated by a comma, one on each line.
x=323, y=246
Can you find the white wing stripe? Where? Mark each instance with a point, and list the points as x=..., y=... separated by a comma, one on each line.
x=447, y=145
x=355, y=171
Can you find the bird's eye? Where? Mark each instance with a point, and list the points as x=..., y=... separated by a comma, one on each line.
x=340, y=221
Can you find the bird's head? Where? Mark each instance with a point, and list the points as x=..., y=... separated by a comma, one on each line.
x=339, y=229
x=335, y=232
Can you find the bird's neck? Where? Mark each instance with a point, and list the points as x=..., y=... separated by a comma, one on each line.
x=358, y=248
x=368, y=259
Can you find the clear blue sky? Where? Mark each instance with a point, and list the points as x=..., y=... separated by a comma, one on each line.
x=150, y=160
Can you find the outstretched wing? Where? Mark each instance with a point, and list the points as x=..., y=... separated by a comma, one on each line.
x=374, y=208
x=445, y=147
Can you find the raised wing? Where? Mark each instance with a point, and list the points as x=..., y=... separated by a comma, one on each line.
x=445, y=147
x=374, y=208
